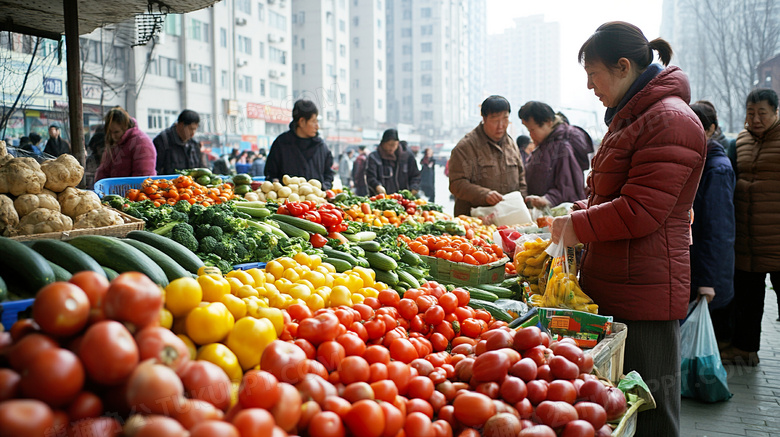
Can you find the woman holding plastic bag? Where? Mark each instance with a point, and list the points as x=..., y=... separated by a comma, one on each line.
x=635, y=221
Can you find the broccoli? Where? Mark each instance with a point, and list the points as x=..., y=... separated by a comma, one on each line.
x=216, y=232
x=239, y=252
x=182, y=233
x=207, y=245
x=224, y=250
x=221, y=264
x=179, y=216
x=183, y=206
x=202, y=231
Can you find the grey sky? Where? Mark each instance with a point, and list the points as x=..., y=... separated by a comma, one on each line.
x=578, y=19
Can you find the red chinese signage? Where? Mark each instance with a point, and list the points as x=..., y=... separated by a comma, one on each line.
x=271, y=114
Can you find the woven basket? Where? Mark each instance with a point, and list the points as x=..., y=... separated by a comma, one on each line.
x=130, y=224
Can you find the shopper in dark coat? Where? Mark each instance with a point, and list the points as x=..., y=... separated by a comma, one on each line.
x=359, y=172
x=56, y=146
x=713, y=228
x=176, y=148
x=95, y=150
x=428, y=175
x=390, y=168
x=301, y=151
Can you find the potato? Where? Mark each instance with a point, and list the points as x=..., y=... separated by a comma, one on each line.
x=281, y=200
x=284, y=192
x=312, y=197
x=271, y=195
x=261, y=197
x=294, y=197
x=300, y=180
x=293, y=188
x=315, y=183
x=286, y=179
x=277, y=186
x=267, y=186
x=318, y=192
x=305, y=189
x=251, y=196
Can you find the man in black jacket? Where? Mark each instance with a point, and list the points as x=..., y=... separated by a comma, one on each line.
x=176, y=148
x=56, y=146
x=300, y=151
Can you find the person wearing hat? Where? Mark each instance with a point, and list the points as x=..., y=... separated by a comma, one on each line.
x=390, y=168
x=301, y=151
x=56, y=146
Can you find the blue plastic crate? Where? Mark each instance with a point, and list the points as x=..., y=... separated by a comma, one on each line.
x=247, y=266
x=9, y=311
x=119, y=186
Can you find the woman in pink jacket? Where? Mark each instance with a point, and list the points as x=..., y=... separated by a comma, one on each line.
x=129, y=151
x=635, y=224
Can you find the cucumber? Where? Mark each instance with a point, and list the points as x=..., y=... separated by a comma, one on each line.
x=410, y=258
x=242, y=179
x=333, y=253
x=501, y=292
x=120, y=256
x=314, y=228
x=362, y=262
x=389, y=278
x=23, y=266
x=167, y=264
x=494, y=311
x=257, y=212
x=414, y=271
x=381, y=261
x=66, y=256
x=407, y=277
x=479, y=294
x=360, y=236
x=3, y=290
x=180, y=254
x=60, y=274
x=369, y=246
x=110, y=273
x=267, y=228
x=400, y=290
x=293, y=231
x=339, y=264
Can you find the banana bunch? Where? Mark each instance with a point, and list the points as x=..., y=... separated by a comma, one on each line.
x=563, y=291
x=529, y=262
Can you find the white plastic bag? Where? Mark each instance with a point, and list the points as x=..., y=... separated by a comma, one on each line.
x=703, y=375
x=510, y=211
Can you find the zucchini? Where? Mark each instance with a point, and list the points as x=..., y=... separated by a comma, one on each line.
x=167, y=264
x=501, y=292
x=3, y=290
x=314, y=228
x=120, y=256
x=110, y=273
x=369, y=246
x=494, y=311
x=389, y=278
x=180, y=254
x=242, y=179
x=60, y=274
x=400, y=290
x=407, y=277
x=479, y=294
x=267, y=228
x=381, y=261
x=363, y=262
x=414, y=271
x=339, y=264
x=66, y=256
x=360, y=236
x=333, y=253
x=410, y=258
x=293, y=231
x=23, y=266
x=257, y=212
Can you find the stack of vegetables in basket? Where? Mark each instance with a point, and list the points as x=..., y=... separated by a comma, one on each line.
x=38, y=198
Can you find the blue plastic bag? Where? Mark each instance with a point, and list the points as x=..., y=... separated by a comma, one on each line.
x=703, y=375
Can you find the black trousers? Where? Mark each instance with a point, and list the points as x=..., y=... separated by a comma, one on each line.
x=653, y=350
x=749, y=294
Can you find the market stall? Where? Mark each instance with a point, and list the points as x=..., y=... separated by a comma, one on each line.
x=276, y=308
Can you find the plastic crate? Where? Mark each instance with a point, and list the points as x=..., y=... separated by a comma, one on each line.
x=247, y=266
x=119, y=186
x=9, y=311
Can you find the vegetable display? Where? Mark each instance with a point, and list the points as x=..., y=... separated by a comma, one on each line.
x=164, y=191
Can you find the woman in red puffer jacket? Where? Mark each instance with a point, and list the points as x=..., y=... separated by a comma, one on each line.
x=129, y=151
x=635, y=224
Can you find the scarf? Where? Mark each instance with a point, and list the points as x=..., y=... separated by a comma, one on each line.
x=649, y=74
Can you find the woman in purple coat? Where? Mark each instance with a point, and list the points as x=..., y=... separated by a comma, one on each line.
x=129, y=151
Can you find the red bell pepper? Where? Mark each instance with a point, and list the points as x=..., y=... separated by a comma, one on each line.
x=313, y=216
x=282, y=210
x=296, y=209
x=318, y=240
x=329, y=218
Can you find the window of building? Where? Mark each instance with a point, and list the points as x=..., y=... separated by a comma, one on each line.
x=244, y=45
x=261, y=49
x=262, y=87
x=342, y=50
x=343, y=98
x=342, y=26
x=357, y=83
x=356, y=21
x=329, y=18
x=169, y=67
x=406, y=32
x=426, y=47
x=329, y=46
x=406, y=49
x=278, y=91
x=356, y=41
x=277, y=20
x=379, y=103
x=407, y=83
x=244, y=6
x=427, y=115
x=343, y=73
x=303, y=69
x=379, y=44
x=357, y=103
x=426, y=30
x=427, y=98
x=426, y=65
x=330, y=70
x=379, y=4
x=245, y=84
x=426, y=80
x=301, y=17
x=276, y=55
x=425, y=12
x=199, y=31
x=379, y=23
x=407, y=100
x=379, y=83
x=222, y=37
x=379, y=64
x=173, y=24
x=154, y=118
x=154, y=67
x=407, y=66
x=407, y=14
x=260, y=11
x=303, y=44
x=200, y=74
x=224, y=79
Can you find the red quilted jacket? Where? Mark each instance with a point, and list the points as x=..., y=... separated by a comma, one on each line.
x=643, y=183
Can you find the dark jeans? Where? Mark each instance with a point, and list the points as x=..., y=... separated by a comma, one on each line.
x=653, y=350
x=361, y=190
x=749, y=294
x=430, y=192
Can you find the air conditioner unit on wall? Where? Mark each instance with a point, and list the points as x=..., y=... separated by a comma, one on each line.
x=272, y=38
x=270, y=2
x=240, y=21
x=241, y=62
x=273, y=73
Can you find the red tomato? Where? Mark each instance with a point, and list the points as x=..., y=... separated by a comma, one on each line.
x=483, y=315
x=360, y=330
x=286, y=361
x=420, y=406
x=375, y=328
x=133, y=298
x=543, y=372
x=393, y=335
x=524, y=369
x=378, y=372
x=258, y=389
x=354, y=369
x=473, y=409
x=9, y=384
x=489, y=389
x=163, y=346
x=463, y=348
x=403, y=350
x=337, y=405
x=307, y=347
x=87, y=405
x=97, y=426
x=418, y=424
x=525, y=409
x=555, y=414
x=254, y=422
x=95, y=285
x=109, y=353
x=537, y=431
x=357, y=391
x=325, y=424
x=318, y=329
x=442, y=428
x=61, y=309
x=210, y=428
x=420, y=387
x=418, y=324
x=399, y=373
x=376, y=354
x=578, y=428
x=561, y=390
x=298, y=312
x=513, y=390
x=366, y=312
x=330, y=353
x=426, y=302
x=389, y=297
x=472, y=327
x=422, y=345
x=407, y=308
x=535, y=353
x=394, y=419
x=423, y=366
x=527, y=338
x=562, y=368
x=500, y=339
x=27, y=348
x=366, y=418
x=449, y=302
x=434, y=315
x=287, y=411
x=352, y=344
x=537, y=391
x=208, y=382
x=592, y=413
x=154, y=388
x=502, y=424
x=491, y=366
x=190, y=412
x=390, y=322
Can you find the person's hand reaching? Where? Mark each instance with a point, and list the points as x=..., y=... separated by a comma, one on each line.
x=563, y=233
x=493, y=197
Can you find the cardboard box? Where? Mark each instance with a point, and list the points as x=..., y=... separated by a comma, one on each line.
x=467, y=274
x=585, y=328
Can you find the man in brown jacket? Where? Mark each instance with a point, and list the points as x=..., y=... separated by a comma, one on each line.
x=486, y=163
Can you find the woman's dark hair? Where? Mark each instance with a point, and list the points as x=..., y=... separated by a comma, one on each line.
x=522, y=141
x=35, y=138
x=706, y=113
x=763, y=95
x=495, y=104
x=389, y=135
x=188, y=116
x=618, y=39
x=304, y=109
x=540, y=112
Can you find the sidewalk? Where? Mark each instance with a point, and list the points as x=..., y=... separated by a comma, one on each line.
x=755, y=408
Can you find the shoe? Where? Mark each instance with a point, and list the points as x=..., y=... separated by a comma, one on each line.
x=737, y=356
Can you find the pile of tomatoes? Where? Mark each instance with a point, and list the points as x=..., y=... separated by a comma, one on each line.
x=475, y=251
x=182, y=188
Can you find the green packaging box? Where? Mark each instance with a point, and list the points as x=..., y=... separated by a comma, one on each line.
x=585, y=328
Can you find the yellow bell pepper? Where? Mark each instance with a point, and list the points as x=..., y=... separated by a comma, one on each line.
x=357, y=298
x=315, y=302
x=246, y=291
x=258, y=276
x=340, y=295
x=223, y=357
x=190, y=346
x=275, y=316
x=300, y=291
x=182, y=295
x=245, y=277
x=166, y=319
x=235, y=284
x=236, y=306
x=214, y=287
x=249, y=338
x=209, y=323
x=275, y=269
